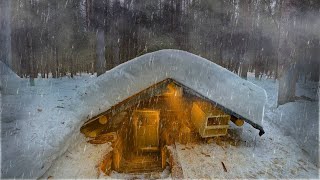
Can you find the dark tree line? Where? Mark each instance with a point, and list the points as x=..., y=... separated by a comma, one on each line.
x=279, y=38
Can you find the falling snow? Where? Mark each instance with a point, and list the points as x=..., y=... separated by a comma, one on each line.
x=32, y=121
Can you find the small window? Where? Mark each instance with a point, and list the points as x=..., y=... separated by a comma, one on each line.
x=219, y=120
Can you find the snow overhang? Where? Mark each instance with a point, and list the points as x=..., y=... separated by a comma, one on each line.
x=206, y=79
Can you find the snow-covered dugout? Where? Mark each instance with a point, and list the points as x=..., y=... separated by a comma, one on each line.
x=226, y=90
x=160, y=98
x=168, y=82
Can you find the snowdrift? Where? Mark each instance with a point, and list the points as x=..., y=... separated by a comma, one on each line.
x=6, y=71
x=7, y=75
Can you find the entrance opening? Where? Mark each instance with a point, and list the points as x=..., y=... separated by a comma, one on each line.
x=144, y=151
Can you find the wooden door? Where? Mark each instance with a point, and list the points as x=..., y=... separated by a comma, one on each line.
x=146, y=130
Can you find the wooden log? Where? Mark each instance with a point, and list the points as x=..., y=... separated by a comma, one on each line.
x=163, y=157
x=106, y=164
x=117, y=153
x=104, y=138
x=236, y=121
x=103, y=119
x=95, y=132
x=116, y=160
x=93, y=129
x=175, y=166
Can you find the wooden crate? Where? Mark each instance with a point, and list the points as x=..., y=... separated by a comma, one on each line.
x=209, y=120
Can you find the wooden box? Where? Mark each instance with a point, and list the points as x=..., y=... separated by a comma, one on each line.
x=209, y=120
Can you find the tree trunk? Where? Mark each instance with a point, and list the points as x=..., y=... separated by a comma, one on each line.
x=257, y=64
x=57, y=72
x=5, y=32
x=88, y=13
x=116, y=50
x=29, y=57
x=245, y=15
x=287, y=71
x=100, y=50
x=53, y=65
x=72, y=65
x=315, y=54
x=276, y=73
x=315, y=72
x=287, y=85
x=244, y=69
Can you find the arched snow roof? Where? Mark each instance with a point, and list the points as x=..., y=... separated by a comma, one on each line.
x=237, y=96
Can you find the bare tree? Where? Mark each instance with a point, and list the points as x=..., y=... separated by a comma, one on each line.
x=98, y=22
x=246, y=20
x=5, y=32
x=287, y=52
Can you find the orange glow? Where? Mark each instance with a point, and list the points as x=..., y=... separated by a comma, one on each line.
x=209, y=120
x=103, y=120
x=172, y=90
x=140, y=127
x=146, y=130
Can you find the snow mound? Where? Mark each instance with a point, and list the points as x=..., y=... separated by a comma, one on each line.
x=300, y=120
x=6, y=71
x=7, y=75
x=238, y=96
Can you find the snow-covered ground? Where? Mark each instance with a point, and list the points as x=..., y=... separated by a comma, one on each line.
x=28, y=114
x=288, y=149
x=299, y=119
x=284, y=151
